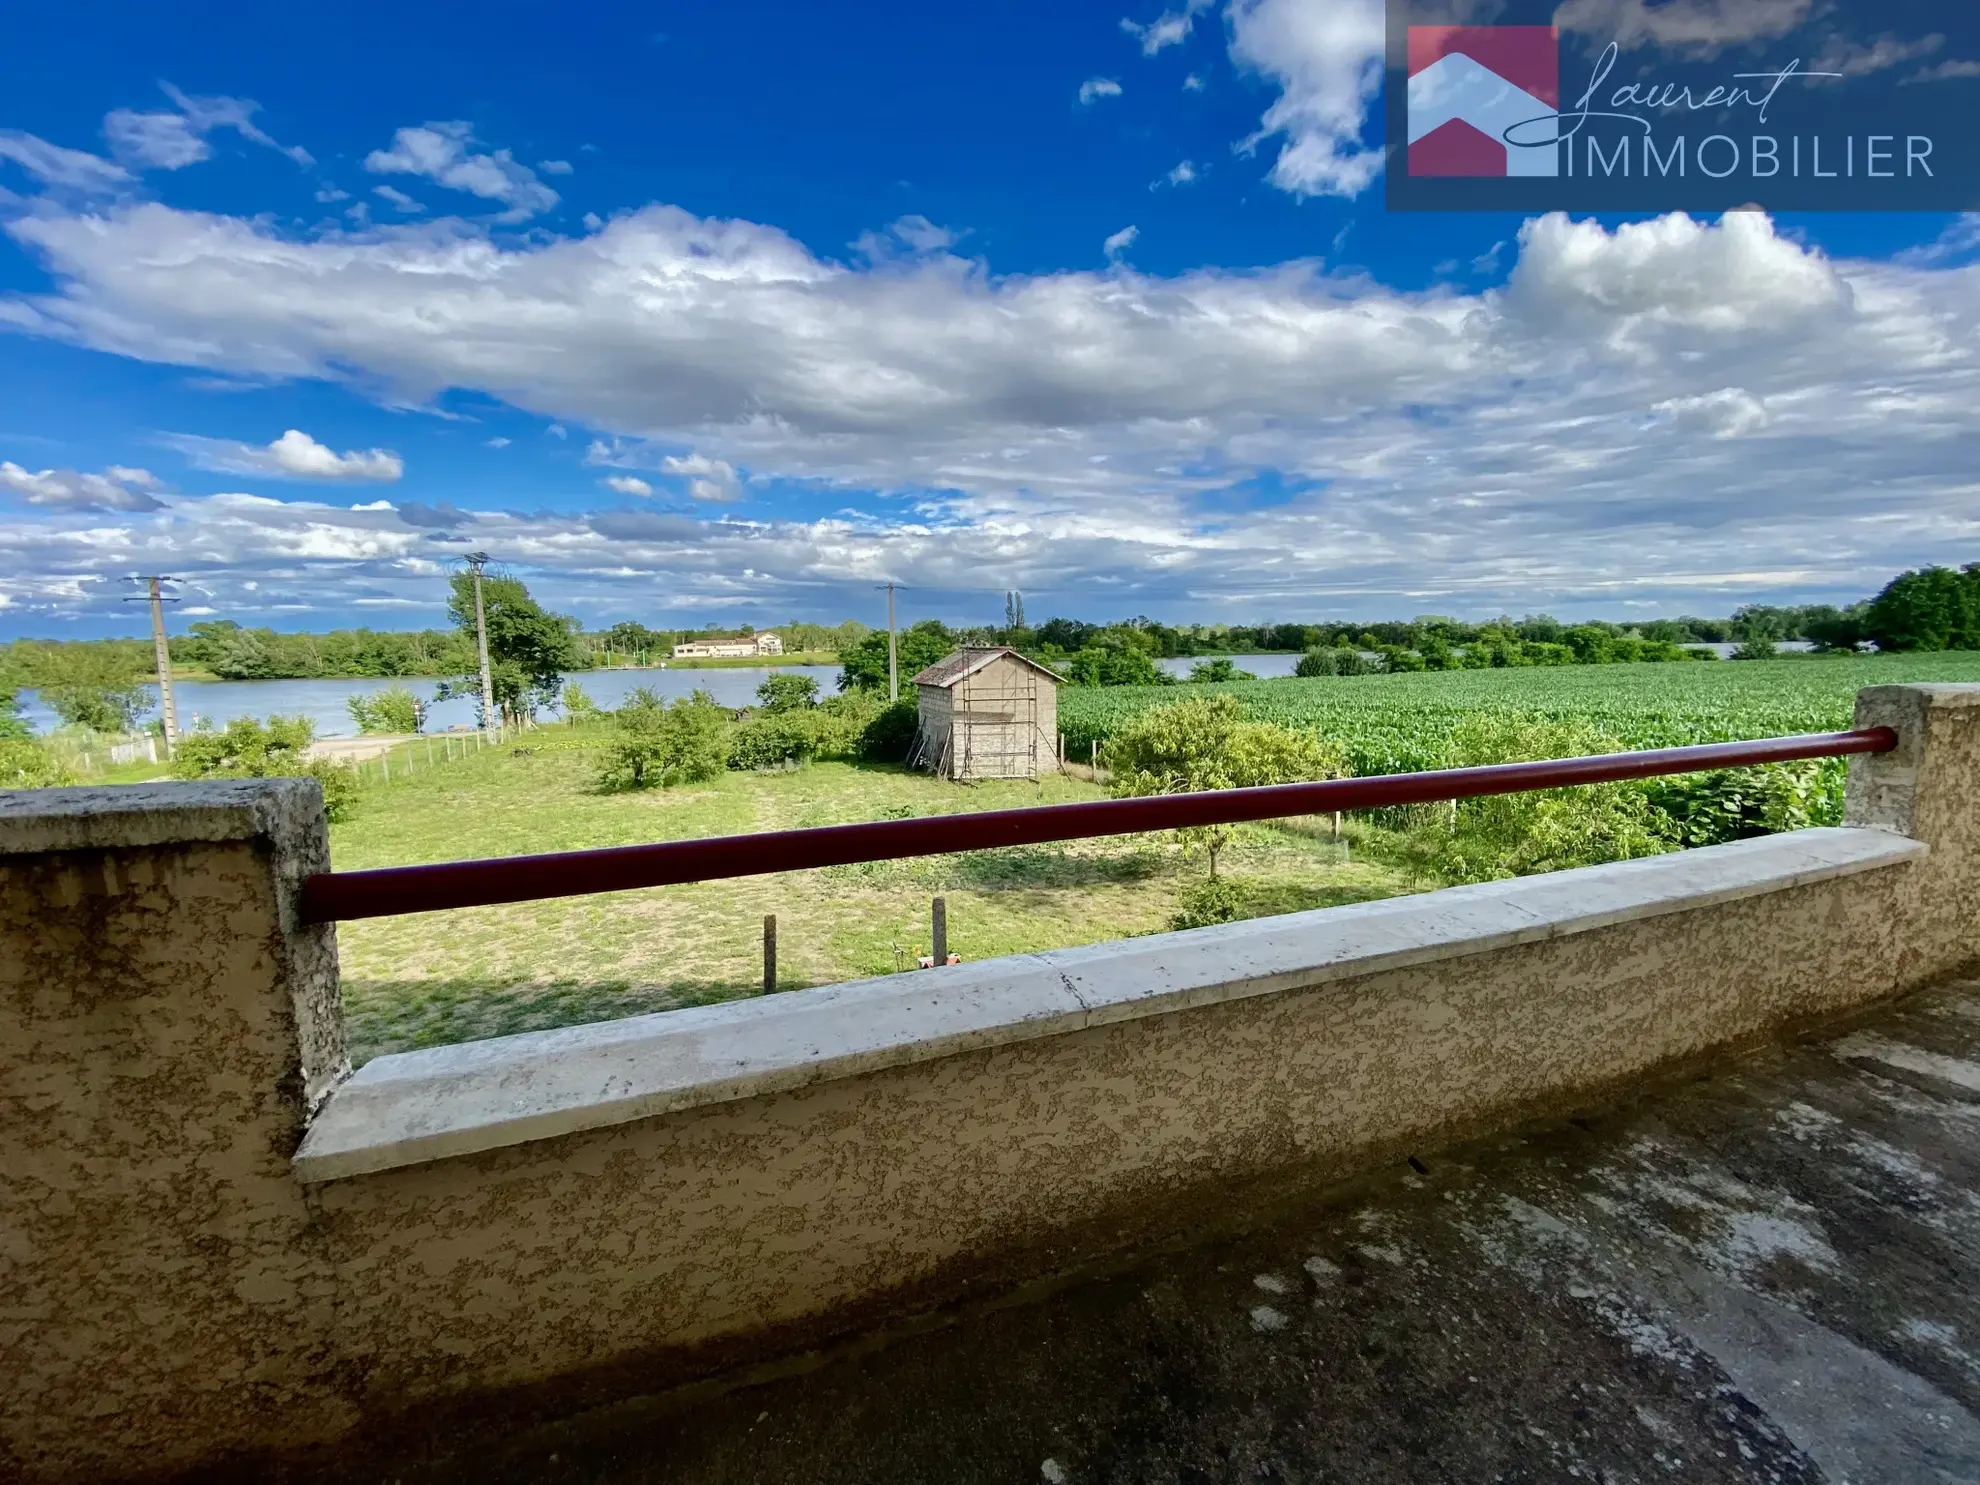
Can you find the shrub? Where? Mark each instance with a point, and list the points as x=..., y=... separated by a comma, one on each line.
x=1341, y=661
x=576, y=703
x=773, y=740
x=1707, y=809
x=1756, y=649
x=26, y=764
x=783, y=692
x=1212, y=671
x=840, y=722
x=1509, y=835
x=887, y=738
x=1208, y=742
x=248, y=748
x=1208, y=902
x=395, y=709
x=655, y=743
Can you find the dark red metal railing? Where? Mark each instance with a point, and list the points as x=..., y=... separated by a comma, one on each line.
x=343, y=895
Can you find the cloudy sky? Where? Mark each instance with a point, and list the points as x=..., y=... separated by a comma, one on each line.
x=695, y=312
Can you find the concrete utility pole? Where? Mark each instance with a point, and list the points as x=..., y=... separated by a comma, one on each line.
x=161, y=654
x=893, y=661
x=476, y=561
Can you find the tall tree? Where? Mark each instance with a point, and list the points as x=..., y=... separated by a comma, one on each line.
x=1929, y=608
x=529, y=648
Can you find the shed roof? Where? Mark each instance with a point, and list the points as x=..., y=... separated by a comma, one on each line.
x=968, y=661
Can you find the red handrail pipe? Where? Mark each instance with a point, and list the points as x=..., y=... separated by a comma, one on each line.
x=343, y=895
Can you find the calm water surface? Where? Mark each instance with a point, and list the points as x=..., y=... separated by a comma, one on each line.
x=323, y=702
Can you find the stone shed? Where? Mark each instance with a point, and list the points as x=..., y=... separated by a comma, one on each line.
x=987, y=713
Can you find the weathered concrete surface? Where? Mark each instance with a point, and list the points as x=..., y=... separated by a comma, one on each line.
x=1772, y=1274
x=416, y=1107
x=165, y=1024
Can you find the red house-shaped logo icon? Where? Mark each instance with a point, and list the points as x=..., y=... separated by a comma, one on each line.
x=1469, y=85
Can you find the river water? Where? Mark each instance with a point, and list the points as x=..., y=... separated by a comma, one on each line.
x=324, y=701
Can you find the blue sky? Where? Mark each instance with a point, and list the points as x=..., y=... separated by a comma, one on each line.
x=729, y=312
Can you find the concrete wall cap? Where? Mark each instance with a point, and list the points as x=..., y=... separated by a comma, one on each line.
x=1954, y=695
x=118, y=816
x=410, y=1108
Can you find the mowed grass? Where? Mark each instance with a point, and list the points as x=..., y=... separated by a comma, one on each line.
x=434, y=978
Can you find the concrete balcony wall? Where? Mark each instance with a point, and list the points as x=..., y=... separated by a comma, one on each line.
x=214, y=1244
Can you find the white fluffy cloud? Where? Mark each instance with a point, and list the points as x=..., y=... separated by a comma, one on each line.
x=627, y=484
x=707, y=479
x=1098, y=87
x=1326, y=59
x=1668, y=413
x=117, y=488
x=1171, y=28
x=443, y=153
x=1119, y=242
x=295, y=455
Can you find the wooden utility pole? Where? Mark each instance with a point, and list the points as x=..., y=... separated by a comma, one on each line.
x=161, y=653
x=893, y=661
x=476, y=561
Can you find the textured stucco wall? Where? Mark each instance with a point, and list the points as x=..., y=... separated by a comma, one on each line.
x=162, y=1022
x=170, y=1294
x=1929, y=789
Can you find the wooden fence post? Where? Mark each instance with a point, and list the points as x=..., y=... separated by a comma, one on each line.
x=769, y=953
x=940, y=935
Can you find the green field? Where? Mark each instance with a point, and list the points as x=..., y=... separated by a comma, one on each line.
x=1397, y=723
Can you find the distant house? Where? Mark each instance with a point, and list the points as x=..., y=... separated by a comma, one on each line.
x=987, y=714
x=729, y=649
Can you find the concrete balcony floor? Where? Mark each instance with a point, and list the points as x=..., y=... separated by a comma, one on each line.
x=1770, y=1273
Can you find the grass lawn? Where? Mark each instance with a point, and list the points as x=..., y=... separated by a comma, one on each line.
x=449, y=977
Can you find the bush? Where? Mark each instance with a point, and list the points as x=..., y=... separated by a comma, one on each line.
x=1511, y=835
x=840, y=722
x=576, y=703
x=783, y=692
x=655, y=743
x=395, y=709
x=1208, y=902
x=773, y=740
x=887, y=738
x=26, y=764
x=1342, y=661
x=1205, y=743
x=247, y=748
x=1756, y=649
x=1707, y=809
x=1213, y=671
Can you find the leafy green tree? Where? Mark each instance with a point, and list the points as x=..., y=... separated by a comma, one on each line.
x=393, y=710
x=1209, y=742
x=92, y=686
x=784, y=692
x=529, y=648
x=576, y=703
x=1931, y=608
x=657, y=744
x=247, y=748
x=1836, y=628
x=1210, y=672
x=12, y=725
x=864, y=666
x=1757, y=648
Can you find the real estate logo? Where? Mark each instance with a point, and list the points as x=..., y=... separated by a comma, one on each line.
x=1568, y=108
x=1477, y=93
